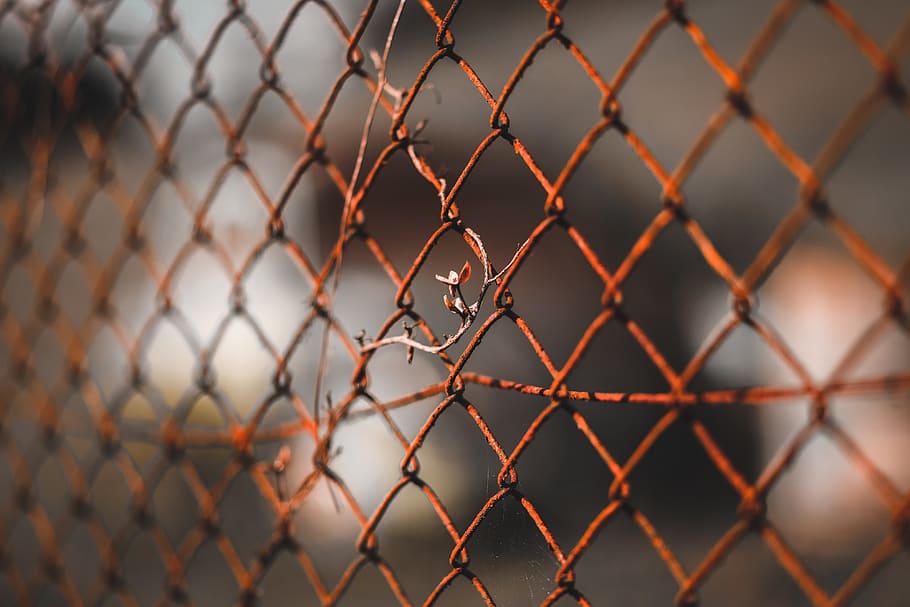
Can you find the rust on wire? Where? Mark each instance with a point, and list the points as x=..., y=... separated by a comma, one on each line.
x=319, y=418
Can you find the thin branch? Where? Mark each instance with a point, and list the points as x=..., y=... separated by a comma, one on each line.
x=349, y=197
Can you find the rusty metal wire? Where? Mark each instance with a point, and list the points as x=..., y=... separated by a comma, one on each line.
x=31, y=399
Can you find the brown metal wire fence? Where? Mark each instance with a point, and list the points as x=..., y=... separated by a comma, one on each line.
x=80, y=460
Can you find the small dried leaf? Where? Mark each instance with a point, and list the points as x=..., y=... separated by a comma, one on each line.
x=460, y=307
x=451, y=280
x=448, y=303
x=410, y=354
x=465, y=274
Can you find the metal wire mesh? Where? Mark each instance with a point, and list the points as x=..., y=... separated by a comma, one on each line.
x=122, y=458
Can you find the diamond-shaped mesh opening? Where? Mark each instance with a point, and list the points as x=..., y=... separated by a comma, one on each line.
x=739, y=192
x=621, y=565
x=843, y=518
x=877, y=152
x=667, y=103
x=813, y=59
x=242, y=364
x=510, y=548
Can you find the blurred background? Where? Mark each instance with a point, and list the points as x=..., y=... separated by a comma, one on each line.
x=147, y=294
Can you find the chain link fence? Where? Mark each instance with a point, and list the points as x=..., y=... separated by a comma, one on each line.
x=372, y=303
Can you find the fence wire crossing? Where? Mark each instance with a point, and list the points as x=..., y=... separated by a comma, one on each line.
x=37, y=400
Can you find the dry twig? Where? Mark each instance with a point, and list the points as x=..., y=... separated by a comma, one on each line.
x=455, y=302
